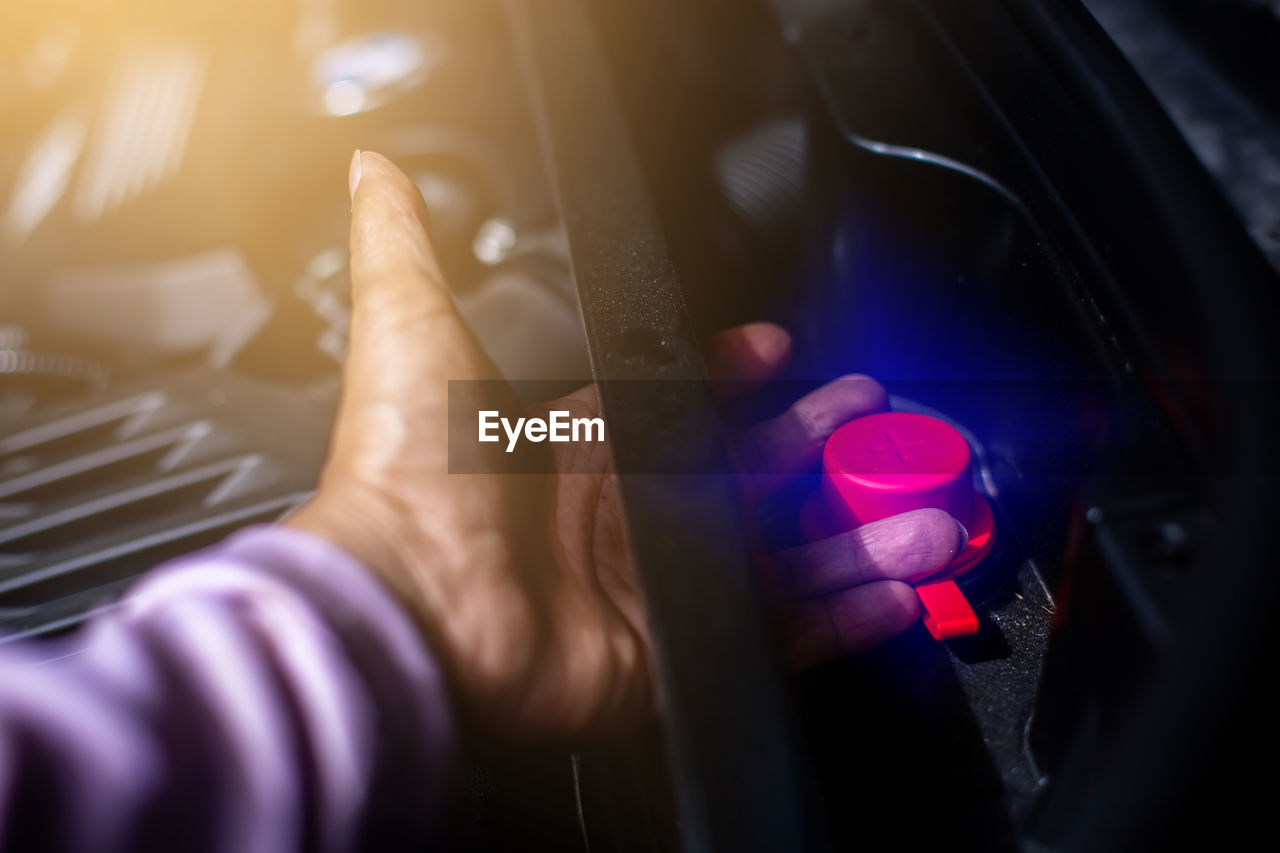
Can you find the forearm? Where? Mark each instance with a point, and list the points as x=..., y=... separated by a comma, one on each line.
x=267, y=694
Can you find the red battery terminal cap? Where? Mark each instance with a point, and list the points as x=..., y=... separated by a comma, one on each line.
x=886, y=464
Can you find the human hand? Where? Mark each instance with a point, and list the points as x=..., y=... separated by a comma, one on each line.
x=524, y=585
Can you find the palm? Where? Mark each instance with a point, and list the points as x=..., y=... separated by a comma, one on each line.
x=598, y=621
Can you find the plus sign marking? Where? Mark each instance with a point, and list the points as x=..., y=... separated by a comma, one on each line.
x=896, y=446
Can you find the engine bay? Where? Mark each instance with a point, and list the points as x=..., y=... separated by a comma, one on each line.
x=608, y=184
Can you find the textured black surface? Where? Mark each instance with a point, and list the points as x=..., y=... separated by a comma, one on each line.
x=738, y=779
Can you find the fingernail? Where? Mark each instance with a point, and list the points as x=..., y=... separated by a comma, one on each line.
x=353, y=175
x=964, y=537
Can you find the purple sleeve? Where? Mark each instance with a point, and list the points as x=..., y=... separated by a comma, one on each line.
x=266, y=694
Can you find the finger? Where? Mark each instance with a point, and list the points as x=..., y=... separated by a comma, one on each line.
x=823, y=629
x=906, y=547
x=744, y=356
x=770, y=453
x=404, y=326
x=406, y=340
x=390, y=250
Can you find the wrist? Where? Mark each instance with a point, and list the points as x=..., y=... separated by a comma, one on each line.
x=366, y=533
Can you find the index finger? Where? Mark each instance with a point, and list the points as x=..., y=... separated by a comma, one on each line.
x=772, y=453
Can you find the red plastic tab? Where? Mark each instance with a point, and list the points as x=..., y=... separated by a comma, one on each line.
x=946, y=611
x=892, y=463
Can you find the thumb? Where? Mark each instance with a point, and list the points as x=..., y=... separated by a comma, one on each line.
x=405, y=331
x=391, y=256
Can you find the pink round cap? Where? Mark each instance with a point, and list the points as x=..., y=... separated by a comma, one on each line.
x=891, y=463
x=895, y=462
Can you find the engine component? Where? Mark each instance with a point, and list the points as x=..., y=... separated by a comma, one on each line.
x=91, y=496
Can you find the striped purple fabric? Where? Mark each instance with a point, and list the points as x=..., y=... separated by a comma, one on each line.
x=267, y=694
